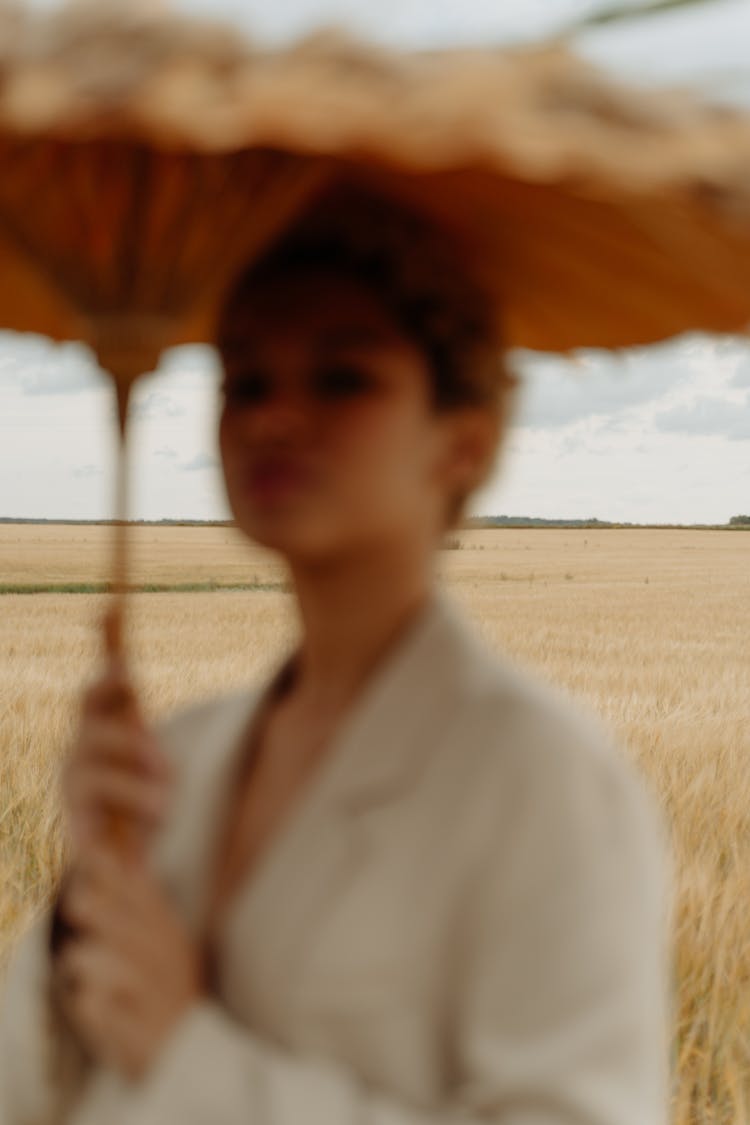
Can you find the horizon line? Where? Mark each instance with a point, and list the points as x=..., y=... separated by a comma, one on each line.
x=470, y=523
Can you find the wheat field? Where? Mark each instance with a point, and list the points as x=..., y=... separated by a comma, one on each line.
x=646, y=627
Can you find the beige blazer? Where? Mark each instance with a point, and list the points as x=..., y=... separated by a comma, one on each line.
x=463, y=919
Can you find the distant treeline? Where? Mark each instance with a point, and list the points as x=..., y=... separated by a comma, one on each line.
x=735, y=522
x=473, y=522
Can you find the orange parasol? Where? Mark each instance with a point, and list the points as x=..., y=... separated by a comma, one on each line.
x=146, y=158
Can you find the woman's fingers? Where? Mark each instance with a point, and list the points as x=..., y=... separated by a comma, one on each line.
x=116, y=777
x=100, y=966
x=118, y=885
x=105, y=787
x=106, y=999
x=114, y=771
x=99, y=909
x=133, y=970
x=99, y=989
x=122, y=906
x=111, y=693
x=115, y=767
x=110, y=741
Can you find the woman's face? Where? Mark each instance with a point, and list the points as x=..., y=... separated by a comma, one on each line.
x=328, y=438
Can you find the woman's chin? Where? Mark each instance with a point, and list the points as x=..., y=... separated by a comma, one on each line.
x=286, y=534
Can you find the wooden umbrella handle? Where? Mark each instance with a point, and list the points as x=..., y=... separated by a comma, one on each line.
x=119, y=829
x=120, y=556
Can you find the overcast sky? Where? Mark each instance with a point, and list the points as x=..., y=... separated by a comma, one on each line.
x=657, y=434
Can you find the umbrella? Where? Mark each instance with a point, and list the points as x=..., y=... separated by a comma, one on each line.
x=145, y=158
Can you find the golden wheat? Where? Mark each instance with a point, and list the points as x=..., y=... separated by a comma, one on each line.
x=649, y=628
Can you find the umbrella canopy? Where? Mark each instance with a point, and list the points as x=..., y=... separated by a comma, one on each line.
x=145, y=158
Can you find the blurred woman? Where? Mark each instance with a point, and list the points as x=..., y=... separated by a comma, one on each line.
x=402, y=881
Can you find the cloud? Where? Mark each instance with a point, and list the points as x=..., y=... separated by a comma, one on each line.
x=59, y=381
x=200, y=462
x=154, y=404
x=731, y=355
x=190, y=360
x=83, y=471
x=701, y=45
x=558, y=392
x=39, y=367
x=708, y=416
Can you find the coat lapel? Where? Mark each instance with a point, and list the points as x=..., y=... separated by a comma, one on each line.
x=209, y=740
x=332, y=832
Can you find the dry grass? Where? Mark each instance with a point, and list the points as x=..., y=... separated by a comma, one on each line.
x=648, y=627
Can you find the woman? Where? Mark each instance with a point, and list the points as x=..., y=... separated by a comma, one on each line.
x=404, y=882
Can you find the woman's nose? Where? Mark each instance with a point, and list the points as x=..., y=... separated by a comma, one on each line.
x=283, y=412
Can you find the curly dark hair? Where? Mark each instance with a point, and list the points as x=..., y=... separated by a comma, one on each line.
x=420, y=271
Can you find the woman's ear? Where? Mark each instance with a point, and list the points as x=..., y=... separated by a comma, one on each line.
x=473, y=437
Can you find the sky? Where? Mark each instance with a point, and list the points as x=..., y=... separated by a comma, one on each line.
x=659, y=434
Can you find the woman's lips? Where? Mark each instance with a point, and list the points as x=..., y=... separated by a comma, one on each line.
x=275, y=479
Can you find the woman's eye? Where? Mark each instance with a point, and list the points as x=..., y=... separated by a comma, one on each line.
x=244, y=390
x=342, y=382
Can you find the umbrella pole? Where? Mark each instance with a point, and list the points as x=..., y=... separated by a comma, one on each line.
x=126, y=347
x=119, y=829
x=120, y=554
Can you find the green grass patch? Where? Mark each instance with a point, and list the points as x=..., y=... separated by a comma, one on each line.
x=141, y=588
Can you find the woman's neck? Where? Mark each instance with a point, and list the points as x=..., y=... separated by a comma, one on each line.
x=351, y=614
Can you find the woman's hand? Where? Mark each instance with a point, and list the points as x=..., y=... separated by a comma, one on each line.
x=116, y=782
x=131, y=972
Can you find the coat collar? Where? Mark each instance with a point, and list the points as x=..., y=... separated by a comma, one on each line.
x=335, y=828
x=376, y=755
x=376, y=748
x=382, y=742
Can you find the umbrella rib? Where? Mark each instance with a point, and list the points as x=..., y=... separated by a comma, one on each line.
x=187, y=217
x=658, y=234
x=29, y=163
x=177, y=219
x=665, y=235
x=242, y=218
x=131, y=232
x=272, y=211
x=47, y=266
x=580, y=228
x=77, y=174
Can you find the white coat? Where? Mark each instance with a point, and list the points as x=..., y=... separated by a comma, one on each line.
x=463, y=919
